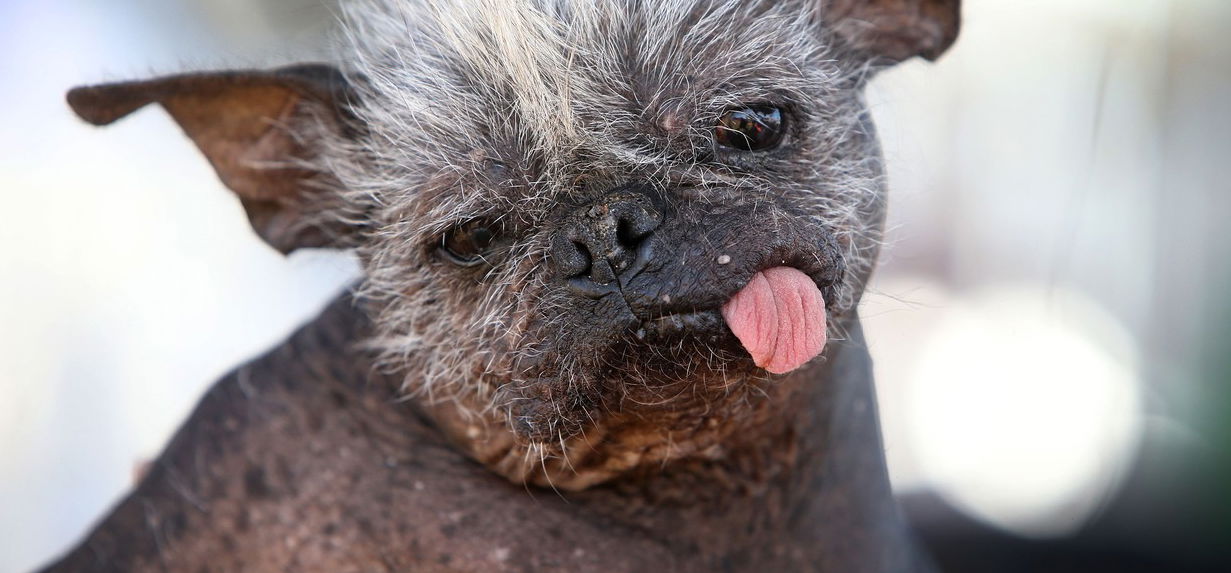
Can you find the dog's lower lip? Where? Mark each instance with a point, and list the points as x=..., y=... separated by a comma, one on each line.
x=673, y=322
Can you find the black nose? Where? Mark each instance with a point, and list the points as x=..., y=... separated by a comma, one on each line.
x=604, y=240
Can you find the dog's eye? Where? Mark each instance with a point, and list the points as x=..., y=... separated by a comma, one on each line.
x=466, y=244
x=751, y=128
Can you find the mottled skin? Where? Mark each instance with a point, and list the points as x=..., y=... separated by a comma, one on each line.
x=304, y=461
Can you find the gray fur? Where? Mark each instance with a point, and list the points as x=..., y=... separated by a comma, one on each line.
x=504, y=109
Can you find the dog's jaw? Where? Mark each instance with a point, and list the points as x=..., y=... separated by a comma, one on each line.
x=624, y=445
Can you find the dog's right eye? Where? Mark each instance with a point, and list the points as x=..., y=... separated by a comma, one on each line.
x=466, y=244
x=752, y=128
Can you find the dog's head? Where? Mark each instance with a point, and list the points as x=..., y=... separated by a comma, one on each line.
x=590, y=229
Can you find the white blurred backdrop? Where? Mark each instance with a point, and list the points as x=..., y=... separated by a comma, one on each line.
x=1055, y=252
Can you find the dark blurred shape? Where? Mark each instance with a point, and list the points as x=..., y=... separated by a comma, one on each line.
x=1171, y=516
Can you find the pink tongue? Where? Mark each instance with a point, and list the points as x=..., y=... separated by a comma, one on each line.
x=779, y=318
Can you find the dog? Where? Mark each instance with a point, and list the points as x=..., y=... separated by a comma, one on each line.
x=612, y=252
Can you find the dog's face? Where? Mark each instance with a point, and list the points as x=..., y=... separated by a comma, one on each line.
x=590, y=229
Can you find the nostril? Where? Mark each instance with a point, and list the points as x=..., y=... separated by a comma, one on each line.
x=600, y=242
x=571, y=258
x=634, y=227
x=625, y=234
x=583, y=260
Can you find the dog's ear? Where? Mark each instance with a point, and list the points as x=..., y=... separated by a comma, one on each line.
x=889, y=31
x=259, y=129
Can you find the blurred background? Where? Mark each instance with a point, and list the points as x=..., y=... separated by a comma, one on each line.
x=1051, y=321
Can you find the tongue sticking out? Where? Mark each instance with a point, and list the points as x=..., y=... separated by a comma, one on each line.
x=779, y=317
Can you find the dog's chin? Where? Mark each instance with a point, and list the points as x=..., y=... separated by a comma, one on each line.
x=675, y=386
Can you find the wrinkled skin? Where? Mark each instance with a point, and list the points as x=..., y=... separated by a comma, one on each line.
x=299, y=461
x=558, y=390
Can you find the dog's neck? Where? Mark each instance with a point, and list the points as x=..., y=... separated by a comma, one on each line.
x=306, y=451
x=809, y=471
x=759, y=427
x=625, y=448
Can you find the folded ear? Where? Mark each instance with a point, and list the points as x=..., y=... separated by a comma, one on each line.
x=260, y=130
x=889, y=31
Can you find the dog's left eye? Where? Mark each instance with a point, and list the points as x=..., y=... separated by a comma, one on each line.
x=466, y=244
x=753, y=128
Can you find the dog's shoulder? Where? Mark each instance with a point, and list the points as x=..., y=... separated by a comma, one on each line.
x=304, y=459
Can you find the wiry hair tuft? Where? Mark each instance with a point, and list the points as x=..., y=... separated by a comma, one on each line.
x=499, y=110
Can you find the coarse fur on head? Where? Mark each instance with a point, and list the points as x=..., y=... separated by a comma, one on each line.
x=535, y=120
x=507, y=111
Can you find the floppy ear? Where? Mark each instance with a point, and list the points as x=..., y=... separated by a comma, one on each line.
x=259, y=129
x=889, y=31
